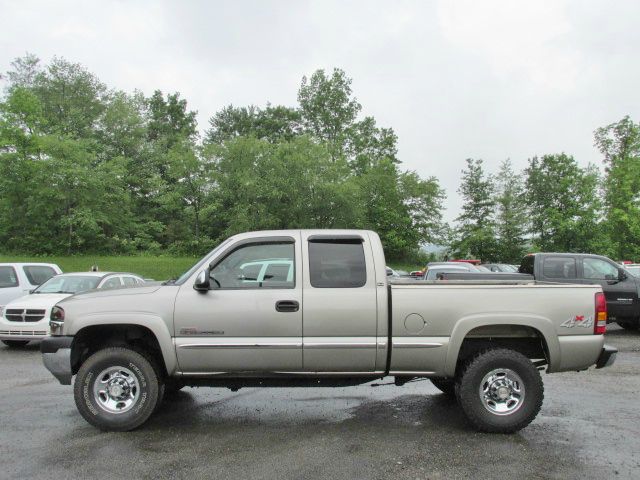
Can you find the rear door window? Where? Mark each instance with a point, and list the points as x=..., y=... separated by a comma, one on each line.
x=38, y=274
x=8, y=277
x=129, y=281
x=337, y=264
x=559, y=267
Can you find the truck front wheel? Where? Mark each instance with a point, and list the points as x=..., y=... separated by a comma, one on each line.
x=117, y=389
x=500, y=391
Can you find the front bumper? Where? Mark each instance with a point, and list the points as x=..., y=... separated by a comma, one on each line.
x=56, y=356
x=607, y=356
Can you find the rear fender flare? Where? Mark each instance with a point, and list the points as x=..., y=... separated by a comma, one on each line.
x=466, y=324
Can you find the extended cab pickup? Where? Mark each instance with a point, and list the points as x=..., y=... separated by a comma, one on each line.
x=316, y=308
x=619, y=286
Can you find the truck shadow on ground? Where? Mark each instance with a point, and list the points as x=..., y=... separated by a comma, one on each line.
x=30, y=347
x=183, y=410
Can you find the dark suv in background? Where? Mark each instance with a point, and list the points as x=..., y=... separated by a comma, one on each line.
x=620, y=288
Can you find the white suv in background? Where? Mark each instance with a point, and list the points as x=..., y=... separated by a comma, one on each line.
x=27, y=317
x=18, y=279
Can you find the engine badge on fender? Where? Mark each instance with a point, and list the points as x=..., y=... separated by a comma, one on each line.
x=578, y=321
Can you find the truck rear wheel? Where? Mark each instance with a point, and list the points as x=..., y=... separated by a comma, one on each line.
x=117, y=389
x=500, y=391
x=445, y=385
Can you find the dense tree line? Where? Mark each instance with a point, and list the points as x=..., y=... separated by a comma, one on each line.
x=554, y=204
x=85, y=168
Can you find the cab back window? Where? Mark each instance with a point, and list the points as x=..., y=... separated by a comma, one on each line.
x=337, y=264
x=8, y=277
x=527, y=264
x=559, y=267
x=38, y=274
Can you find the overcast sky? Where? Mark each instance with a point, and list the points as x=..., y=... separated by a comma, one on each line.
x=455, y=79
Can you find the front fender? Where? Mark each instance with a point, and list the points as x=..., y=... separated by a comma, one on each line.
x=153, y=322
x=462, y=328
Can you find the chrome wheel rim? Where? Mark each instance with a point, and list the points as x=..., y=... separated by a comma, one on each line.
x=502, y=391
x=116, y=389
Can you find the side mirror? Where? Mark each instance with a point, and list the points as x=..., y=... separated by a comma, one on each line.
x=202, y=283
x=622, y=275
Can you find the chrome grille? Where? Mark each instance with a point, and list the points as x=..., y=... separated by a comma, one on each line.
x=22, y=315
x=22, y=333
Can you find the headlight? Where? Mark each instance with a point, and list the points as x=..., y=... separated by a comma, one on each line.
x=56, y=320
x=57, y=314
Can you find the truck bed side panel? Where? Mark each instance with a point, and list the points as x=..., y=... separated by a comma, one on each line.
x=438, y=317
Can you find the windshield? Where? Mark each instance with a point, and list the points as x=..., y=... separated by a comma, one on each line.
x=68, y=284
x=635, y=271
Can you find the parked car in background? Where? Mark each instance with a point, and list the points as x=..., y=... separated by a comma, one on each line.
x=434, y=268
x=619, y=286
x=27, y=317
x=500, y=267
x=17, y=279
x=392, y=272
x=270, y=269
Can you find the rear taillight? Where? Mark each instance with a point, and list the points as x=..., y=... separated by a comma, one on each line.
x=600, y=324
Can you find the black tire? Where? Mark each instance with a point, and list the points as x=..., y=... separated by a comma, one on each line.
x=480, y=412
x=138, y=368
x=15, y=343
x=445, y=385
x=629, y=326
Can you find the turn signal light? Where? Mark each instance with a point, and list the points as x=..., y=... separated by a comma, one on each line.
x=600, y=325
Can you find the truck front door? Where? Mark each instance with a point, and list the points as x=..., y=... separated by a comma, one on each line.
x=340, y=312
x=621, y=294
x=251, y=318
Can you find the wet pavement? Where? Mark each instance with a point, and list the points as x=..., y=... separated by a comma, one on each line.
x=589, y=427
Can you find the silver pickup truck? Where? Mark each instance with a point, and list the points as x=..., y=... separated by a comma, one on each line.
x=315, y=308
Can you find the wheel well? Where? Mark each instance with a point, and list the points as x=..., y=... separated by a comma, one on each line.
x=523, y=339
x=91, y=339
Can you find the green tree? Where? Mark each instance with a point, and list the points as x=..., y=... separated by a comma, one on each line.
x=289, y=185
x=511, y=214
x=328, y=108
x=271, y=123
x=619, y=143
x=475, y=232
x=564, y=205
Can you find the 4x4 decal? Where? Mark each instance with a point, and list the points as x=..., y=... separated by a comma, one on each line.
x=578, y=321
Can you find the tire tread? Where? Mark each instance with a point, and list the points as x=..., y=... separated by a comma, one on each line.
x=466, y=401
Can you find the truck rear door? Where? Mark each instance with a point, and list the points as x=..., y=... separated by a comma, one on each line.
x=340, y=303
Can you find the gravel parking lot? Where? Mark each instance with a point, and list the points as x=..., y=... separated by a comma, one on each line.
x=589, y=427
